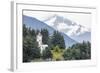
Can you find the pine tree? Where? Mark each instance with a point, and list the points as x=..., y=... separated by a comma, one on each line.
x=45, y=36
x=30, y=45
x=46, y=54
x=57, y=40
x=78, y=51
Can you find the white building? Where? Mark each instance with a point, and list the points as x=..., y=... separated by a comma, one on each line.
x=40, y=44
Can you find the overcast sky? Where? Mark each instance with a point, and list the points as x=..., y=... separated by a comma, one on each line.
x=79, y=18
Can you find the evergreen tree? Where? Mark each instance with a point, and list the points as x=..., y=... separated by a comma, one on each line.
x=30, y=45
x=57, y=40
x=45, y=36
x=25, y=32
x=78, y=51
x=46, y=53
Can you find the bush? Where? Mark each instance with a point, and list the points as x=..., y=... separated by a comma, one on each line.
x=57, y=53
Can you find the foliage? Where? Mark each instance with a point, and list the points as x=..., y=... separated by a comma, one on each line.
x=30, y=54
x=45, y=36
x=57, y=53
x=78, y=51
x=57, y=40
x=56, y=47
x=46, y=53
x=30, y=46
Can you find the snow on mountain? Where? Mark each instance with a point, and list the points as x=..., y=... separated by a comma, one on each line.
x=65, y=25
x=38, y=25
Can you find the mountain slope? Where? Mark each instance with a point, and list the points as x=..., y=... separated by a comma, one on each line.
x=70, y=28
x=38, y=25
x=35, y=24
x=68, y=41
x=80, y=38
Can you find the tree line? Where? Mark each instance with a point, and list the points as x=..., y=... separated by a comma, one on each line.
x=56, y=49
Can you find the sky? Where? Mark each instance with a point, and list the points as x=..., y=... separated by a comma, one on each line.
x=79, y=18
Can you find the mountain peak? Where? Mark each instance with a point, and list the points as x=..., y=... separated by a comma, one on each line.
x=66, y=25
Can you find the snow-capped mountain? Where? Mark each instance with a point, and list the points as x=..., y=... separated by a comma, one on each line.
x=69, y=27
x=66, y=25
x=38, y=25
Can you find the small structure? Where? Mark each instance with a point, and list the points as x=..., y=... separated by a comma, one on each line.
x=40, y=44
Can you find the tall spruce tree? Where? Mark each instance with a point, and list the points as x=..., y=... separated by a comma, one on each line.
x=57, y=40
x=45, y=36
